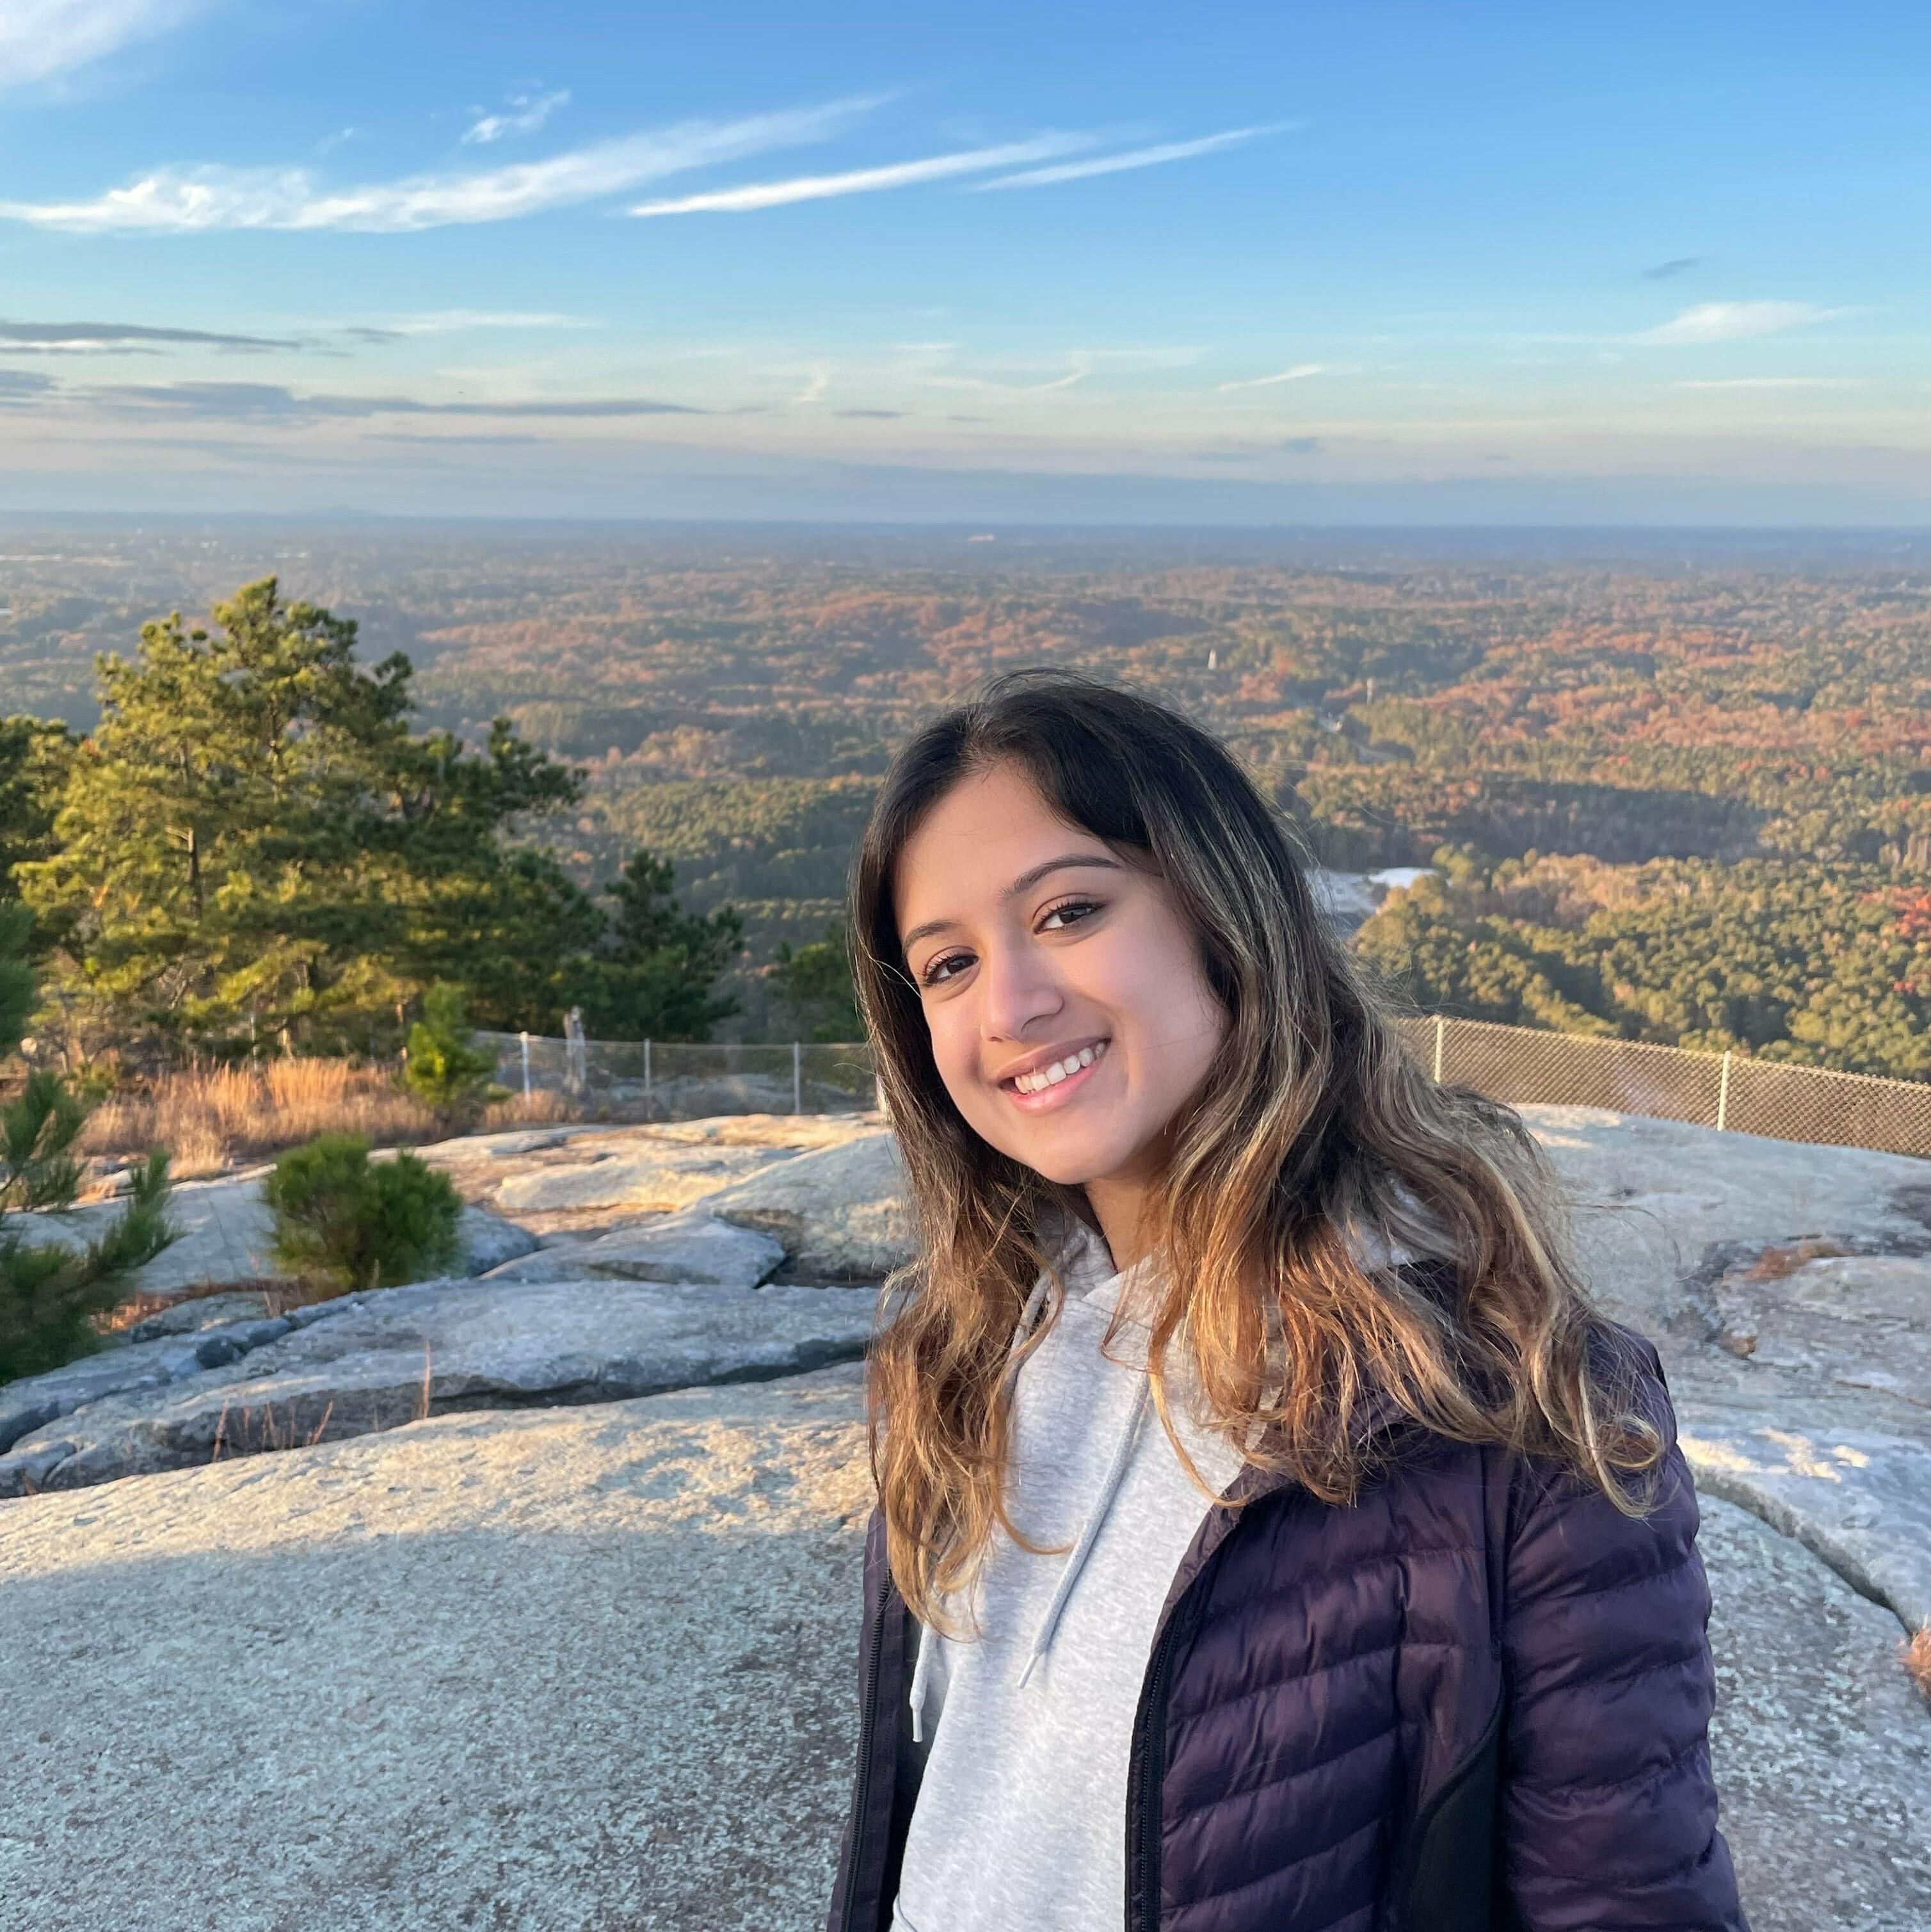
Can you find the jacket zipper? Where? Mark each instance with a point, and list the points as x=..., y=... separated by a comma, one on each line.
x=1144, y=1804
x=868, y=1723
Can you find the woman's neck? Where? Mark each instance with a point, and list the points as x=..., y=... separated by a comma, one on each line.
x=1118, y=1204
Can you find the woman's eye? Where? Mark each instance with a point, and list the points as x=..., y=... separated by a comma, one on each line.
x=1071, y=911
x=1067, y=912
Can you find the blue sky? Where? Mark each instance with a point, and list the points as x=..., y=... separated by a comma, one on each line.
x=1459, y=263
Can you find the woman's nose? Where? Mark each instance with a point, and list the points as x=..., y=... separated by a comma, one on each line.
x=1020, y=990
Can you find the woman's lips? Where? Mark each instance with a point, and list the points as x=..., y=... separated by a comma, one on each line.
x=1060, y=1093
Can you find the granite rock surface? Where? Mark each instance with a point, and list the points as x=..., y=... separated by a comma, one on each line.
x=586, y=1668
x=840, y=1213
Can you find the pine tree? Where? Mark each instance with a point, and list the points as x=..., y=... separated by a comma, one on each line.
x=49, y=1296
x=653, y=979
x=816, y=981
x=253, y=849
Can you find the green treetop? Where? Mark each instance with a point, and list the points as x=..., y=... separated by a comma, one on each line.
x=252, y=846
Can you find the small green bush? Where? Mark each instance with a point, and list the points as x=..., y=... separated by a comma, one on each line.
x=359, y=1222
x=442, y=1066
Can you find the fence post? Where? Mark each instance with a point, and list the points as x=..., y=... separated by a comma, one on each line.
x=576, y=1052
x=1440, y=1027
x=1723, y=1096
x=646, y=1076
x=525, y=1038
x=797, y=1077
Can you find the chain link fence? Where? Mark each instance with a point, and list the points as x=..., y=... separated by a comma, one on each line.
x=1731, y=1091
x=647, y=1080
x=660, y=1080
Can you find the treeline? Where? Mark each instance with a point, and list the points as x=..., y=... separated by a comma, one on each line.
x=1826, y=967
x=254, y=851
x=732, y=701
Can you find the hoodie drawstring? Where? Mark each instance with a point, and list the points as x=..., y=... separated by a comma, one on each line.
x=1116, y=1471
x=921, y=1670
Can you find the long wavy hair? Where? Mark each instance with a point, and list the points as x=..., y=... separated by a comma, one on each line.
x=1313, y=1127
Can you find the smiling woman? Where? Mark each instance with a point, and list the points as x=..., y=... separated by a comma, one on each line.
x=1082, y=953
x=1396, y=1618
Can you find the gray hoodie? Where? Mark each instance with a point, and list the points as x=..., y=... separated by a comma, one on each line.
x=1020, y=1823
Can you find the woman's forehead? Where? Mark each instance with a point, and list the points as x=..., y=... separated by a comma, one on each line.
x=985, y=841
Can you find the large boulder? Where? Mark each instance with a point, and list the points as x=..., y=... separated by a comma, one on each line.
x=687, y=1247
x=373, y=1362
x=841, y=1214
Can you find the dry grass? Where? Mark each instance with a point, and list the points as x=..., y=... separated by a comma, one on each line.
x=279, y=1293
x=540, y=1109
x=210, y=1118
x=1917, y=1661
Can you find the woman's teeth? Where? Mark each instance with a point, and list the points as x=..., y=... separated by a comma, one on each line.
x=1051, y=1076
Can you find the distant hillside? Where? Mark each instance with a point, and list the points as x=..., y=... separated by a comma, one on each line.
x=1665, y=708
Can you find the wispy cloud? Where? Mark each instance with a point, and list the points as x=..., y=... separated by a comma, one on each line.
x=1135, y=157
x=19, y=386
x=268, y=402
x=1677, y=265
x=1084, y=364
x=83, y=337
x=1298, y=373
x=453, y=321
x=871, y=415
x=817, y=389
x=1777, y=382
x=866, y=180
x=41, y=38
x=190, y=200
x=1730, y=322
x=527, y=112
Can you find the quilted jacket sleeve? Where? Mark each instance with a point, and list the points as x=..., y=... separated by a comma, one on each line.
x=1609, y=1810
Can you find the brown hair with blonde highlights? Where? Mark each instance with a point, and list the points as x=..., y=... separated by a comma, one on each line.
x=1313, y=1125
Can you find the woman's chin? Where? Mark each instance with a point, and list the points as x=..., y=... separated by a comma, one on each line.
x=1069, y=1159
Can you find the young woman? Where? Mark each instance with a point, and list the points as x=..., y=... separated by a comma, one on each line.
x=1269, y=1534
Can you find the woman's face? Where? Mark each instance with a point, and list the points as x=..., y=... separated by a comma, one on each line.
x=1069, y=1016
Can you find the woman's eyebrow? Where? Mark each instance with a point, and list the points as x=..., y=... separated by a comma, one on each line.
x=1024, y=883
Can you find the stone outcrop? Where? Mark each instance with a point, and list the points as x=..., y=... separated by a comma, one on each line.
x=840, y=1213
x=1652, y=1196
x=372, y=1362
x=657, y=1177
x=687, y=1247
x=1861, y=1501
x=583, y=1668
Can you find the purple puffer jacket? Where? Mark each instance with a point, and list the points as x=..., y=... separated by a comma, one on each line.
x=1475, y=1699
